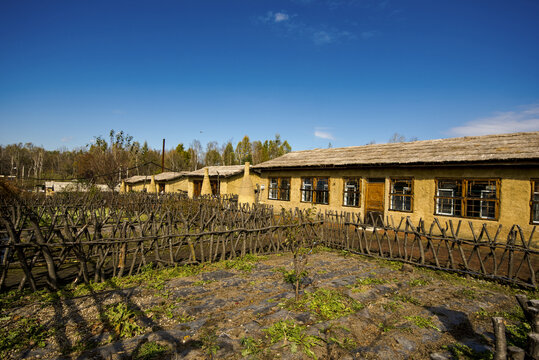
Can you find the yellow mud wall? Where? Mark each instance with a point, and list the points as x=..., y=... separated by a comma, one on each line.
x=175, y=186
x=514, y=201
x=232, y=184
x=140, y=186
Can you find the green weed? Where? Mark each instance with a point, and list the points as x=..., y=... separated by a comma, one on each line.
x=151, y=351
x=422, y=322
x=251, y=346
x=26, y=332
x=517, y=334
x=202, y=282
x=346, y=343
x=370, y=281
x=294, y=333
x=419, y=282
x=461, y=351
x=209, y=341
x=328, y=304
x=406, y=299
x=467, y=293
x=163, y=310
x=385, y=326
x=245, y=264
x=291, y=278
x=392, y=306
x=515, y=314
x=123, y=320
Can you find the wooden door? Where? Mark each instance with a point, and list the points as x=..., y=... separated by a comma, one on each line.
x=197, y=187
x=374, y=201
x=215, y=189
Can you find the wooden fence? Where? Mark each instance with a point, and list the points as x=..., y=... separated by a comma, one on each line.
x=511, y=259
x=77, y=237
x=49, y=241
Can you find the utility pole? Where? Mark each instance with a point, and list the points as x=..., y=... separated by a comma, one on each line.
x=163, y=158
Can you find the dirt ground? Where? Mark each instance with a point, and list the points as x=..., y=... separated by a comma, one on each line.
x=351, y=307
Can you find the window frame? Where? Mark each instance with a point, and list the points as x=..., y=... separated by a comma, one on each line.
x=471, y=206
x=534, y=202
x=356, y=194
x=314, y=194
x=280, y=190
x=393, y=194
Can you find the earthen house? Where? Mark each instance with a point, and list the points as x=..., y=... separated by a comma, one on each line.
x=490, y=179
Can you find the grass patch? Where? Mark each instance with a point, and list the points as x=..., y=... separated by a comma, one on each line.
x=422, y=322
x=123, y=320
x=461, y=351
x=27, y=332
x=419, y=282
x=291, y=332
x=515, y=314
x=251, y=346
x=517, y=334
x=208, y=338
x=245, y=264
x=392, y=306
x=406, y=299
x=151, y=351
x=290, y=277
x=370, y=281
x=327, y=304
x=468, y=293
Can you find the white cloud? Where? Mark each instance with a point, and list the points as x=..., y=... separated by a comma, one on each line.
x=288, y=25
x=275, y=17
x=322, y=37
x=278, y=17
x=526, y=119
x=67, y=139
x=368, y=34
x=319, y=133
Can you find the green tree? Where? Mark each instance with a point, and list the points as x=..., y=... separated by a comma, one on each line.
x=229, y=157
x=177, y=159
x=213, y=156
x=243, y=150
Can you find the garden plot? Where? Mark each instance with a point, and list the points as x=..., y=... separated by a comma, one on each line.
x=350, y=307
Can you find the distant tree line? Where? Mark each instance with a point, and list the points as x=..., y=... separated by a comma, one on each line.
x=108, y=160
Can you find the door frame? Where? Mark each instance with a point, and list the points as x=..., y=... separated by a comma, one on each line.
x=377, y=213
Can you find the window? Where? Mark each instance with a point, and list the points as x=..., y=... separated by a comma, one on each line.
x=351, y=192
x=279, y=189
x=448, y=197
x=307, y=189
x=535, y=202
x=401, y=195
x=467, y=198
x=315, y=190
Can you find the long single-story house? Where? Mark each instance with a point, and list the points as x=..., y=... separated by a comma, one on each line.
x=491, y=179
x=164, y=182
x=52, y=187
x=224, y=180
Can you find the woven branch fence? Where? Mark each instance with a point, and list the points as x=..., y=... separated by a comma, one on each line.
x=50, y=241
x=54, y=240
x=512, y=259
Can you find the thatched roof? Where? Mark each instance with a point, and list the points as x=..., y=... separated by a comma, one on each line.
x=222, y=171
x=164, y=176
x=476, y=149
x=170, y=175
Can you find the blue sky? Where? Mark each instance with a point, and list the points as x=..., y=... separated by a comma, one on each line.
x=314, y=71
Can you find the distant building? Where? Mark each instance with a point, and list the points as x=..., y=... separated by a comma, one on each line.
x=52, y=187
x=224, y=180
x=168, y=182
